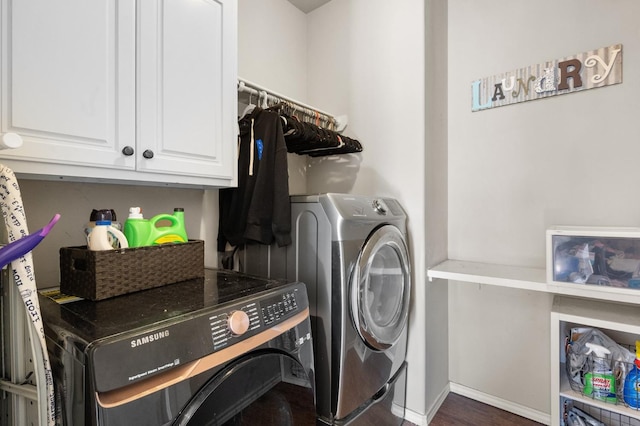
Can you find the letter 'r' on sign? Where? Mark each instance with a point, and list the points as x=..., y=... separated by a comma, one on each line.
x=569, y=69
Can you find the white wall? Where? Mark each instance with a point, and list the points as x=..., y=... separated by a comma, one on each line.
x=74, y=201
x=272, y=52
x=513, y=171
x=272, y=46
x=436, y=214
x=356, y=57
x=367, y=60
x=516, y=170
x=347, y=57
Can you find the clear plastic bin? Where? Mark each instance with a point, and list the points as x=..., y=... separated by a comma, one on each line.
x=595, y=256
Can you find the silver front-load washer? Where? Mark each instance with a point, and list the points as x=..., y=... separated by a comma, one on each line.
x=351, y=252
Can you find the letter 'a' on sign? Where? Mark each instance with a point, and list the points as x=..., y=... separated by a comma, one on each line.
x=583, y=71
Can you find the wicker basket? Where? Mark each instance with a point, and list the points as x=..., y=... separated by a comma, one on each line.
x=98, y=275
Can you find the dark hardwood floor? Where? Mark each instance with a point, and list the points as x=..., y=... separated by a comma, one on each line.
x=461, y=411
x=456, y=410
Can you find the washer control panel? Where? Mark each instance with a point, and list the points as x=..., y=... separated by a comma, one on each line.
x=226, y=326
x=243, y=321
x=278, y=307
x=146, y=352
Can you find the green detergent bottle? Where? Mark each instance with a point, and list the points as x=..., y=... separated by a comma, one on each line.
x=142, y=232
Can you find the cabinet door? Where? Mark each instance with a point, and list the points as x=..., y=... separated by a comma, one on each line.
x=186, y=87
x=68, y=76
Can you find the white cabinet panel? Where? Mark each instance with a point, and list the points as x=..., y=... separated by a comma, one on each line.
x=185, y=90
x=68, y=78
x=121, y=90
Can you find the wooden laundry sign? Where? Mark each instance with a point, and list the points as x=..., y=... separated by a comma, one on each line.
x=587, y=70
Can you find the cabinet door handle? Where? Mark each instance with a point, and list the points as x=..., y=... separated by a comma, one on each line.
x=127, y=150
x=148, y=154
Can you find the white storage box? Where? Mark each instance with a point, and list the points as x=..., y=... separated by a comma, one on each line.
x=594, y=255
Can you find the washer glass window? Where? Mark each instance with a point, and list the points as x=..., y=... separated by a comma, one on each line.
x=268, y=389
x=381, y=288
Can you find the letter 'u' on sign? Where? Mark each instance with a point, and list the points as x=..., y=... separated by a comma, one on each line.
x=583, y=71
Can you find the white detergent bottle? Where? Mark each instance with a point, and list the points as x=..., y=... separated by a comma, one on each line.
x=98, y=238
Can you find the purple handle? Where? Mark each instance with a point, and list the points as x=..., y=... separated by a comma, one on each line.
x=24, y=245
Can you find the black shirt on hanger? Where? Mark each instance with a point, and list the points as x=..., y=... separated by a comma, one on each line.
x=258, y=209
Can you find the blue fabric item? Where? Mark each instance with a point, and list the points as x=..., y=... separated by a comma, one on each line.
x=260, y=147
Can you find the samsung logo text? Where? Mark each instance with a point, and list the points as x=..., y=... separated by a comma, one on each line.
x=149, y=338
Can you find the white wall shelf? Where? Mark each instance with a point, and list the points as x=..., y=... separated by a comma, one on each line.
x=526, y=278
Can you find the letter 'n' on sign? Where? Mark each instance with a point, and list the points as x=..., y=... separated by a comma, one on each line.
x=583, y=71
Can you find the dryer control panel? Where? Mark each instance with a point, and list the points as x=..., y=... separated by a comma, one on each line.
x=136, y=357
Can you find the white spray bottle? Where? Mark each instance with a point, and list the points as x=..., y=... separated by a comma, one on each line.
x=600, y=381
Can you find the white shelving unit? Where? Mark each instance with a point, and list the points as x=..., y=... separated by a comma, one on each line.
x=525, y=278
x=613, y=310
x=619, y=321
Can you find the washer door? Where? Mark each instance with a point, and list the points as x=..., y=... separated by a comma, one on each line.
x=380, y=288
x=264, y=388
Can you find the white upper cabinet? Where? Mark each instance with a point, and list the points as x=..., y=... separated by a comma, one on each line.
x=186, y=86
x=68, y=80
x=119, y=90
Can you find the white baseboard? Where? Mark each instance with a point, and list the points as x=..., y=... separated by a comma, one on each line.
x=431, y=413
x=415, y=418
x=424, y=419
x=503, y=404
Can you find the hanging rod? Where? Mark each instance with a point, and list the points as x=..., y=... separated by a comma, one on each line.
x=248, y=87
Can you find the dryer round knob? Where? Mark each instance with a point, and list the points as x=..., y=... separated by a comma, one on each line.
x=379, y=207
x=238, y=322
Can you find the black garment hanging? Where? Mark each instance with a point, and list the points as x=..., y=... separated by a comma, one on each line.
x=259, y=208
x=307, y=138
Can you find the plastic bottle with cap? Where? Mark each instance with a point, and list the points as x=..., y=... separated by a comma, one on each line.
x=136, y=227
x=631, y=393
x=103, y=214
x=600, y=382
x=98, y=238
x=142, y=232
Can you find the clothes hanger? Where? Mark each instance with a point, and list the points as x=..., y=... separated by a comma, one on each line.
x=264, y=104
x=279, y=107
x=249, y=108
